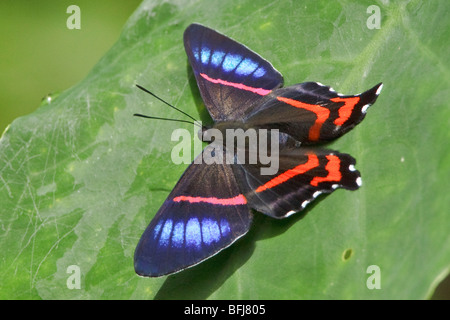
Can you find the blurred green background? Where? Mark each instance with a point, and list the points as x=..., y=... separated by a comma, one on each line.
x=39, y=55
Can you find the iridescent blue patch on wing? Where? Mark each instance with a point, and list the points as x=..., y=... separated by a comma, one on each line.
x=193, y=233
x=196, y=54
x=230, y=62
x=246, y=67
x=157, y=229
x=259, y=72
x=210, y=231
x=165, y=233
x=217, y=57
x=178, y=235
x=224, y=227
x=205, y=54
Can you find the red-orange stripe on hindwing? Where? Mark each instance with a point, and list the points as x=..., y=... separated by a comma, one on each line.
x=313, y=161
x=321, y=113
x=346, y=110
x=334, y=172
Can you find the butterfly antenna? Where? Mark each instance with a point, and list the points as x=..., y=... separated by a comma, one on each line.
x=195, y=123
x=165, y=102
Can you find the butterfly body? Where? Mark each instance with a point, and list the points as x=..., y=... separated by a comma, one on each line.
x=212, y=204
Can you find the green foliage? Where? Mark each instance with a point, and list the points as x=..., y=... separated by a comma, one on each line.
x=81, y=178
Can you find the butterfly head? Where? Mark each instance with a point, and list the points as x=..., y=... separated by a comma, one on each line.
x=220, y=130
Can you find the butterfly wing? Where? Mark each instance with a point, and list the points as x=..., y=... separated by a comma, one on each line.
x=311, y=112
x=203, y=214
x=230, y=76
x=303, y=175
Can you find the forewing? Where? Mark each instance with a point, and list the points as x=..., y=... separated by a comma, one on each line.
x=203, y=214
x=230, y=76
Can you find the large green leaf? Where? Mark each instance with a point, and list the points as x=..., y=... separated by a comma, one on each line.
x=81, y=178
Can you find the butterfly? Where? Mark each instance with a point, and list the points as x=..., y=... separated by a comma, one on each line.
x=212, y=205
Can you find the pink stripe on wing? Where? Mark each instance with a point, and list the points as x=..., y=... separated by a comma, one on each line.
x=238, y=200
x=260, y=91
